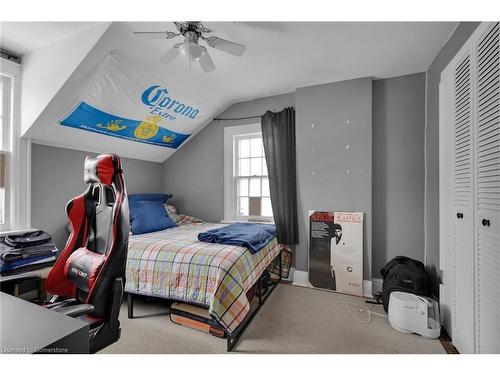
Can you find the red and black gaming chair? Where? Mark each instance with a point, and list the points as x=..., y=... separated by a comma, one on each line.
x=87, y=276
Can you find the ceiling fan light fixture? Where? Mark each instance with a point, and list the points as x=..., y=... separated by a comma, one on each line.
x=193, y=32
x=190, y=50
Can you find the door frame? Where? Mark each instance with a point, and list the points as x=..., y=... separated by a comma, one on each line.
x=446, y=253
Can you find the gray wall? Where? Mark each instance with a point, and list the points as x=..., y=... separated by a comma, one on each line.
x=398, y=168
x=342, y=115
x=57, y=176
x=452, y=46
x=195, y=173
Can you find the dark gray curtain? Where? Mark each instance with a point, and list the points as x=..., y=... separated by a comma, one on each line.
x=278, y=134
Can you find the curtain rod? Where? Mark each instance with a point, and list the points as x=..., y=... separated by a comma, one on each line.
x=239, y=118
x=9, y=56
x=235, y=118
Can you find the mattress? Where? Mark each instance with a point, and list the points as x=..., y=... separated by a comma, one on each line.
x=174, y=264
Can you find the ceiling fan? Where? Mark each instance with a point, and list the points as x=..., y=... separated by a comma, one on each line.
x=190, y=48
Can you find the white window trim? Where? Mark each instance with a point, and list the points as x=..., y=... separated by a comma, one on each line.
x=6, y=145
x=19, y=164
x=230, y=133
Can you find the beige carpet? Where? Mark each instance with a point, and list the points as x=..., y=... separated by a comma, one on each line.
x=293, y=320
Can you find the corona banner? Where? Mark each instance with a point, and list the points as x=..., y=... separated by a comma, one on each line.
x=125, y=102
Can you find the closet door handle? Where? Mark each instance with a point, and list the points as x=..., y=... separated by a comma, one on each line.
x=485, y=222
x=460, y=215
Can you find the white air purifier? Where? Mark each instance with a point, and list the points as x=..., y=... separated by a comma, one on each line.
x=410, y=313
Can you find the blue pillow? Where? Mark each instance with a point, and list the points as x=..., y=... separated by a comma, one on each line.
x=150, y=197
x=148, y=216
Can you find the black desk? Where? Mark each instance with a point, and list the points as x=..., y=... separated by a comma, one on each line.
x=29, y=328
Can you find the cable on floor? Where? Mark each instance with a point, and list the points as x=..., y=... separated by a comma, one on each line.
x=361, y=309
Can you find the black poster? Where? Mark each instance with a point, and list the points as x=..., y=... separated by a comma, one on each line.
x=320, y=234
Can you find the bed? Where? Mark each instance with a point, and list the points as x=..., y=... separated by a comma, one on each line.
x=173, y=264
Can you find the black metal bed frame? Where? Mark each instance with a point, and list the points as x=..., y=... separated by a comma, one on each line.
x=233, y=337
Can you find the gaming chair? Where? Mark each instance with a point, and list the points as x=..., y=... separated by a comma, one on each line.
x=86, y=279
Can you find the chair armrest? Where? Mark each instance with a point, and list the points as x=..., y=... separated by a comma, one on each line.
x=63, y=303
x=75, y=310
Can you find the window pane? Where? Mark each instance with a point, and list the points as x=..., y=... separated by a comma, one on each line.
x=243, y=206
x=244, y=168
x=256, y=148
x=251, y=190
x=265, y=187
x=255, y=206
x=244, y=148
x=243, y=187
x=267, y=209
x=255, y=187
x=256, y=167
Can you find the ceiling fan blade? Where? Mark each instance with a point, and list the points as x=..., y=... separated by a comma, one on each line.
x=154, y=34
x=226, y=45
x=204, y=29
x=171, y=54
x=178, y=25
x=206, y=62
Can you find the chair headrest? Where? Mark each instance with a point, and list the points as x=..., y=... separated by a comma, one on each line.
x=101, y=169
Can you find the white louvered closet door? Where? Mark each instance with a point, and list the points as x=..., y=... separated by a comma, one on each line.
x=470, y=192
x=487, y=173
x=463, y=204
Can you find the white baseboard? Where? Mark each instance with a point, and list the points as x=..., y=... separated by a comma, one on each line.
x=367, y=288
x=300, y=278
x=377, y=285
x=290, y=274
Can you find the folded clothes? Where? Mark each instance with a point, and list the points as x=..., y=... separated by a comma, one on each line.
x=253, y=236
x=9, y=254
x=25, y=239
x=6, y=267
x=22, y=258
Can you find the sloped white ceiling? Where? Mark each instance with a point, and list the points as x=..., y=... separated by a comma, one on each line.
x=279, y=58
x=22, y=38
x=46, y=70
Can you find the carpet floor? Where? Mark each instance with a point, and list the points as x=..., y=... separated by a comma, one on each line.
x=293, y=320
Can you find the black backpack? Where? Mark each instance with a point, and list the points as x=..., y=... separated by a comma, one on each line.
x=404, y=274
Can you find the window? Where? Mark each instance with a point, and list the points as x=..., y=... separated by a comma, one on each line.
x=247, y=196
x=15, y=153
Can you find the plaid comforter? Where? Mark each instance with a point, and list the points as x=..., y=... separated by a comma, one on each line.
x=173, y=264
